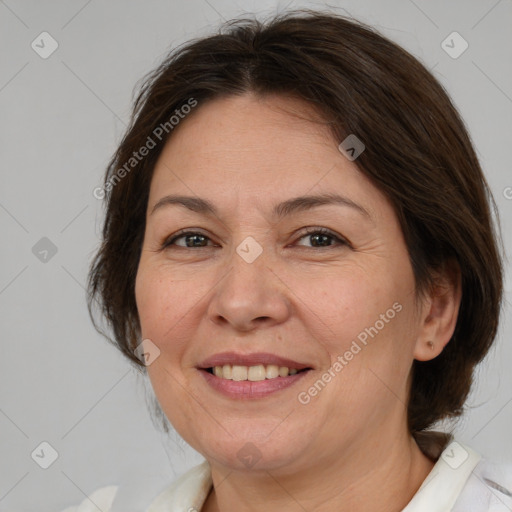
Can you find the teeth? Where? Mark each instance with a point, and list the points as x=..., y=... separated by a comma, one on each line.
x=252, y=373
x=227, y=371
x=239, y=373
x=272, y=371
x=256, y=373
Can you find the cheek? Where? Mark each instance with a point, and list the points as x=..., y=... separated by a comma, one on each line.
x=345, y=302
x=365, y=317
x=160, y=302
x=146, y=287
x=169, y=309
x=162, y=305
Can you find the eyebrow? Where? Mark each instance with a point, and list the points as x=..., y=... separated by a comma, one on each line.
x=286, y=208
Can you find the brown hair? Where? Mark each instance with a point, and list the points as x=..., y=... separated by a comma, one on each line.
x=418, y=153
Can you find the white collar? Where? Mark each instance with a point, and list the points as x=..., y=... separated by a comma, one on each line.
x=444, y=484
x=187, y=493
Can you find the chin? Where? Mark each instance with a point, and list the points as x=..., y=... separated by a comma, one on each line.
x=256, y=448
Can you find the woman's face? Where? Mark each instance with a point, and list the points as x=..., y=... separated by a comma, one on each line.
x=253, y=281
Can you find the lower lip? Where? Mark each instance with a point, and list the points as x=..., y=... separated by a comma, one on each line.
x=247, y=389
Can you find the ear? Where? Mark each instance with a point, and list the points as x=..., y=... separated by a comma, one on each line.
x=439, y=312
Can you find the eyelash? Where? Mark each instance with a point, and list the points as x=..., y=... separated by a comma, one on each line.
x=309, y=231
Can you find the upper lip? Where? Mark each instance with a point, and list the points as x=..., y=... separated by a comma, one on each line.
x=254, y=359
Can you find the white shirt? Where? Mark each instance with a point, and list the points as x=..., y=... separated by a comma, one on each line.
x=460, y=481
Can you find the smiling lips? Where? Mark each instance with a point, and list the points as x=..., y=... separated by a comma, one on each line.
x=251, y=375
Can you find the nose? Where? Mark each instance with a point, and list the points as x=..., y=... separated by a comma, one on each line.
x=250, y=295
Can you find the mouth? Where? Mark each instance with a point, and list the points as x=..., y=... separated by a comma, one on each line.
x=254, y=367
x=251, y=375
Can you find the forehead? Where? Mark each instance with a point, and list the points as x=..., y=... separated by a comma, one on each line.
x=250, y=125
x=262, y=148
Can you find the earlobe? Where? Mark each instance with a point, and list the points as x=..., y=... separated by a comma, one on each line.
x=426, y=351
x=440, y=313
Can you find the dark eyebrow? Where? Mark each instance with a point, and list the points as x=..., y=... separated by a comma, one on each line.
x=303, y=203
x=279, y=211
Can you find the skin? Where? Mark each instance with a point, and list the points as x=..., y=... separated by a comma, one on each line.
x=298, y=299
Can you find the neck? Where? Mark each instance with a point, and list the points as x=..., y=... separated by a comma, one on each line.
x=380, y=476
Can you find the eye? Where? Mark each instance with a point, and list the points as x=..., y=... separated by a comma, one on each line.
x=319, y=237
x=322, y=237
x=191, y=239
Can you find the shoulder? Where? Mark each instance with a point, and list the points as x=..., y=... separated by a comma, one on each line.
x=101, y=499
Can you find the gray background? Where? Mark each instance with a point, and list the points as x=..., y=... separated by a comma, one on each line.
x=61, y=118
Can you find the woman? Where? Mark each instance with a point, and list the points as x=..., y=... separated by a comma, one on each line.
x=298, y=248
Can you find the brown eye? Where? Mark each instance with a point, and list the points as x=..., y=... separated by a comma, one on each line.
x=322, y=237
x=191, y=239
